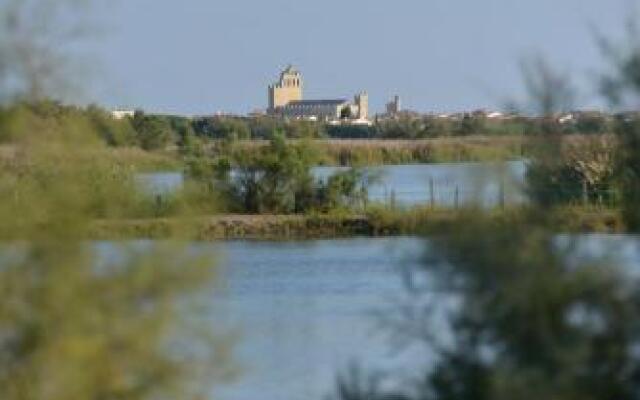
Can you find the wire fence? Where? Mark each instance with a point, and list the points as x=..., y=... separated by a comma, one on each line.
x=492, y=195
x=446, y=193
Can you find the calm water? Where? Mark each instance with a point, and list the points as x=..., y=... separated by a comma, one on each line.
x=302, y=311
x=307, y=309
x=442, y=184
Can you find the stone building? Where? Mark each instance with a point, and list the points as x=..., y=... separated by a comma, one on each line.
x=286, y=100
x=288, y=89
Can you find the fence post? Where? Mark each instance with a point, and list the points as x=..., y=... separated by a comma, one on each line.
x=600, y=199
x=365, y=198
x=431, y=193
x=456, y=197
x=585, y=195
x=502, y=195
x=158, y=205
x=393, y=199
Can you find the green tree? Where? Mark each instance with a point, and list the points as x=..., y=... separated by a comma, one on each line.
x=262, y=127
x=346, y=113
x=227, y=128
x=471, y=124
x=114, y=132
x=347, y=189
x=303, y=129
x=153, y=132
x=275, y=180
x=593, y=123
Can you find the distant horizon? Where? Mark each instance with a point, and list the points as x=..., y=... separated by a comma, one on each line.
x=439, y=57
x=603, y=110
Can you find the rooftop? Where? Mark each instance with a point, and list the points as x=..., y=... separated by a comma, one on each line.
x=317, y=102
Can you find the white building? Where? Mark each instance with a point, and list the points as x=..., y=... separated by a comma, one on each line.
x=121, y=114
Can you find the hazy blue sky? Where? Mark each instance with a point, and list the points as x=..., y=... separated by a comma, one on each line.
x=202, y=56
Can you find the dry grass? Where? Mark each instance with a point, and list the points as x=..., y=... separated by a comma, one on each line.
x=130, y=156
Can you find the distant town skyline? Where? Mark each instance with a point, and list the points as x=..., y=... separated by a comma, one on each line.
x=202, y=57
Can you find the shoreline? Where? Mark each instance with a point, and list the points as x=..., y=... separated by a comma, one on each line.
x=323, y=226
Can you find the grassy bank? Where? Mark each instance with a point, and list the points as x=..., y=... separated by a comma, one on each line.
x=145, y=160
x=378, y=222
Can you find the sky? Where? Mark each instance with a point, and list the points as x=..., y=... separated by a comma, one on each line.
x=198, y=57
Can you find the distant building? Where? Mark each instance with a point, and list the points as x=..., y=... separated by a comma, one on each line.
x=566, y=118
x=121, y=114
x=286, y=100
x=393, y=107
x=314, y=109
x=287, y=90
x=362, y=106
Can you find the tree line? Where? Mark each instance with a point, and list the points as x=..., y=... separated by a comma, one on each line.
x=153, y=131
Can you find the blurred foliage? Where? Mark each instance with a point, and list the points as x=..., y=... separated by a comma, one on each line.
x=76, y=326
x=582, y=172
x=528, y=322
x=509, y=308
x=621, y=86
x=628, y=170
x=34, y=43
x=76, y=322
x=509, y=311
x=28, y=121
x=565, y=171
x=79, y=319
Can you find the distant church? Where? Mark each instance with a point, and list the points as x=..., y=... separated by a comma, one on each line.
x=285, y=99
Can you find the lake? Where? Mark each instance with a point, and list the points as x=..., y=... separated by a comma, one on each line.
x=305, y=310
x=444, y=185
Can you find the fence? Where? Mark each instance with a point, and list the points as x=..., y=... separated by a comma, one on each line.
x=491, y=195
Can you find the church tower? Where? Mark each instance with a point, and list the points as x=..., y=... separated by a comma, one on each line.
x=288, y=89
x=362, y=101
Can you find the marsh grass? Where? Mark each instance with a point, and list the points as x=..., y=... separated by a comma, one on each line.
x=362, y=152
